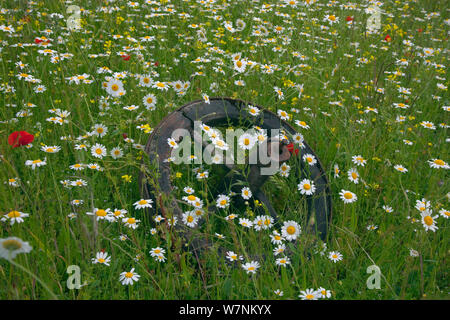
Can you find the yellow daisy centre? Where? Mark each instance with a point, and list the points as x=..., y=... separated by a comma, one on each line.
x=246, y=141
x=439, y=162
x=11, y=245
x=428, y=220
x=306, y=186
x=129, y=275
x=101, y=260
x=309, y=296
x=142, y=202
x=190, y=219
x=114, y=87
x=348, y=195
x=131, y=220
x=14, y=214
x=191, y=198
x=290, y=229
x=98, y=151
x=101, y=213
x=251, y=268
x=354, y=175
x=223, y=202
x=36, y=161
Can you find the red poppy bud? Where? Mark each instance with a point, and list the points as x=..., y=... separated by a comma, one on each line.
x=124, y=135
x=20, y=138
x=419, y=30
x=156, y=63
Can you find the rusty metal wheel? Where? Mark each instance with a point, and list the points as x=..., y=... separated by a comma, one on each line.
x=224, y=111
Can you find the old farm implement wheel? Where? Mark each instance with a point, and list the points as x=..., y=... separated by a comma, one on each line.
x=223, y=112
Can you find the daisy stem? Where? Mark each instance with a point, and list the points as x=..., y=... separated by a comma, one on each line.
x=54, y=297
x=295, y=276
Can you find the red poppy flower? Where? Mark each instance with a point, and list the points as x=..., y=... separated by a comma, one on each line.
x=20, y=138
x=156, y=63
x=126, y=57
x=124, y=135
x=388, y=38
x=419, y=30
x=290, y=147
x=37, y=40
x=349, y=18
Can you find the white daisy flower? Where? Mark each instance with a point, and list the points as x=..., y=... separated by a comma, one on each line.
x=14, y=217
x=246, y=141
x=290, y=230
x=12, y=246
x=102, y=258
x=98, y=150
x=428, y=220
x=310, y=159
x=306, y=187
x=251, y=267
x=246, y=193
x=335, y=256
x=308, y=294
x=230, y=255
x=348, y=196
x=143, y=203
x=222, y=201
x=128, y=278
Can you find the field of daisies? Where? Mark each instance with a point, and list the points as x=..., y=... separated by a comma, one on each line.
x=84, y=83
